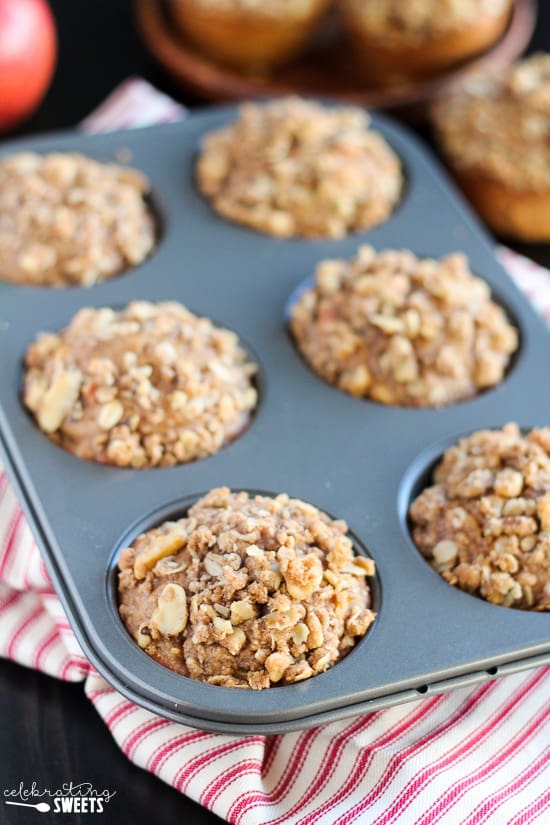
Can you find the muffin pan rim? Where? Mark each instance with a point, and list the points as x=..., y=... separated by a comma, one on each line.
x=483, y=411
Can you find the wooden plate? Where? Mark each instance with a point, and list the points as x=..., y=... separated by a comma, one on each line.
x=328, y=68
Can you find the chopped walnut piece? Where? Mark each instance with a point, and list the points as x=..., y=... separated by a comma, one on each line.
x=295, y=168
x=303, y=576
x=110, y=414
x=237, y=629
x=241, y=611
x=104, y=389
x=58, y=399
x=403, y=330
x=143, y=636
x=494, y=549
x=543, y=512
x=170, y=617
x=163, y=545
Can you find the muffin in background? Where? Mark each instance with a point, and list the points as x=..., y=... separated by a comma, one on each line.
x=495, y=133
x=295, y=168
x=66, y=219
x=397, y=40
x=402, y=330
x=484, y=523
x=248, y=35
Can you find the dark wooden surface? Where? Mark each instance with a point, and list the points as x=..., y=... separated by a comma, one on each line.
x=48, y=730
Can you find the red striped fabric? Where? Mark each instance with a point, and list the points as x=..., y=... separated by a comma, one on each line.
x=471, y=757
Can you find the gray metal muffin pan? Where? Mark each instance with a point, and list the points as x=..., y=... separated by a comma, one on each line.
x=355, y=459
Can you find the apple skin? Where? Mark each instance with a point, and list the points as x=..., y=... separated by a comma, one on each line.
x=28, y=52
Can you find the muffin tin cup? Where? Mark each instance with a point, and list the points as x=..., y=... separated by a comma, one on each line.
x=353, y=458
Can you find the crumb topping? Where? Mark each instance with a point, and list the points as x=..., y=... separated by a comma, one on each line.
x=149, y=385
x=500, y=125
x=403, y=330
x=295, y=168
x=484, y=524
x=66, y=219
x=246, y=591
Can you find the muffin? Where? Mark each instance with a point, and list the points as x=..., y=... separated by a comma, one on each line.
x=403, y=330
x=248, y=35
x=151, y=385
x=246, y=591
x=66, y=219
x=484, y=524
x=397, y=41
x=294, y=168
x=494, y=133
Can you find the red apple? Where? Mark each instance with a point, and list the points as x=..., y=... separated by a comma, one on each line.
x=28, y=49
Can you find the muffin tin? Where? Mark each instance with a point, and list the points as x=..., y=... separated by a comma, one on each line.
x=356, y=459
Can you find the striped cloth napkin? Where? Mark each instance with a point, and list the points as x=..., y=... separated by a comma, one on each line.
x=472, y=756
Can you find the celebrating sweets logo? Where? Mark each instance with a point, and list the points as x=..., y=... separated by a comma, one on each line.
x=70, y=798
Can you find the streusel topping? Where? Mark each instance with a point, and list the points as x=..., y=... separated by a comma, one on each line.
x=295, y=168
x=150, y=385
x=403, y=330
x=500, y=125
x=484, y=525
x=246, y=591
x=420, y=18
x=66, y=219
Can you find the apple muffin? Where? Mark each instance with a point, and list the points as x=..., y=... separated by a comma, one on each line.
x=149, y=385
x=246, y=591
x=494, y=133
x=66, y=219
x=484, y=523
x=248, y=35
x=402, y=330
x=397, y=41
x=294, y=168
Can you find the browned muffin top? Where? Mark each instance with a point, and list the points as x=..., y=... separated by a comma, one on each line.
x=403, y=330
x=485, y=522
x=296, y=168
x=66, y=219
x=246, y=591
x=499, y=125
x=149, y=385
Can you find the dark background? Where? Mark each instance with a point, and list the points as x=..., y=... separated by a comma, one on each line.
x=49, y=731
